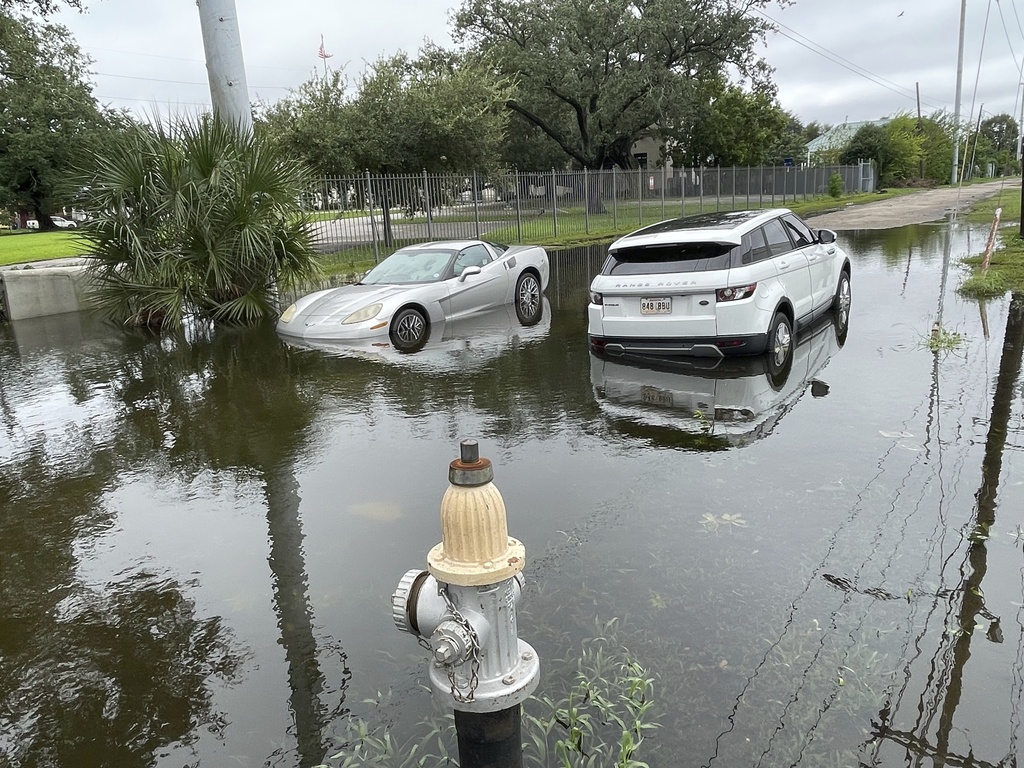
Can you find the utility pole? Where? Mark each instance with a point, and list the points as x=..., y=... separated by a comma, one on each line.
x=959, y=85
x=224, y=66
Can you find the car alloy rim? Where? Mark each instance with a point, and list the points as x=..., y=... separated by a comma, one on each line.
x=844, y=300
x=783, y=340
x=529, y=296
x=410, y=328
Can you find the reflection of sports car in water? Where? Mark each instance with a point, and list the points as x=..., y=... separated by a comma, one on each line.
x=420, y=286
x=453, y=344
x=714, y=404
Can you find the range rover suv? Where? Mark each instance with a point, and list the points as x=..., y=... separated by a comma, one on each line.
x=715, y=284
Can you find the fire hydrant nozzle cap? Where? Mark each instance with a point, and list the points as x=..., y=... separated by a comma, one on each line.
x=462, y=473
x=469, y=469
x=469, y=451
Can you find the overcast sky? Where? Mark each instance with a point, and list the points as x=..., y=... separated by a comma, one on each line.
x=834, y=60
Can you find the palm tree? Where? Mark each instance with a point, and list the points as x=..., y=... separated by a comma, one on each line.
x=195, y=219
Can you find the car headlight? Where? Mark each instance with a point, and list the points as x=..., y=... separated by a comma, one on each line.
x=288, y=314
x=363, y=314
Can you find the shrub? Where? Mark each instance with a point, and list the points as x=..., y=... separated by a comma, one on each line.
x=198, y=219
x=835, y=185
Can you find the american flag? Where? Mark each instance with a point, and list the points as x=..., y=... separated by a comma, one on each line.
x=322, y=53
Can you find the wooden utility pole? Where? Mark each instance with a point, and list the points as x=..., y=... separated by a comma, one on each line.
x=224, y=65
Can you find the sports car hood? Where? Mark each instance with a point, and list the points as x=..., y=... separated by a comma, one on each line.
x=339, y=303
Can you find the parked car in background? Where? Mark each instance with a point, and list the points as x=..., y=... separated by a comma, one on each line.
x=715, y=284
x=31, y=224
x=423, y=285
x=63, y=223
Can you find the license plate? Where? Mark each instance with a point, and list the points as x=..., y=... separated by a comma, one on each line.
x=655, y=396
x=656, y=306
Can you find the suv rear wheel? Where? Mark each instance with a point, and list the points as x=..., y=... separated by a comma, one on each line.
x=780, y=344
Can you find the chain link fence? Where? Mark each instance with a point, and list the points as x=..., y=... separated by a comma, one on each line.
x=368, y=216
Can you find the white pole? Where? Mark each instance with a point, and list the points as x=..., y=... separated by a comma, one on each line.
x=224, y=65
x=959, y=84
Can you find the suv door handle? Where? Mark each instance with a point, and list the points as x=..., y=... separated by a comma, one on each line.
x=830, y=250
x=784, y=264
x=812, y=257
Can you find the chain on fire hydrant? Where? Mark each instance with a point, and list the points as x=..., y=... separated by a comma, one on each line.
x=464, y=612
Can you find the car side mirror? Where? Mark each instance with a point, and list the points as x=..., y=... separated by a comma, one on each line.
x=826, y=236
x=467, y=272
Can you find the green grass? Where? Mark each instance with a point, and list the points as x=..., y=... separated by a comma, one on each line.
x=26, y=246
x=1006, y=269
x=1008, y=199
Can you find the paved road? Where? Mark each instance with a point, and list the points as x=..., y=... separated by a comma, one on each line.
x=917, y=208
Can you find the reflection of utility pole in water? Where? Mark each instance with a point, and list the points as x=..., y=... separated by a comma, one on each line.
x=294, y=615
x=972, y=600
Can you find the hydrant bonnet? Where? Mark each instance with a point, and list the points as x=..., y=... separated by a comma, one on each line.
x=475, y=547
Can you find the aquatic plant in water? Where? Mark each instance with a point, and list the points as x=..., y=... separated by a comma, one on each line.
x=600, y=720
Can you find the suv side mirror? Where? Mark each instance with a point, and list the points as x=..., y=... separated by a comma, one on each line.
x=826, y=236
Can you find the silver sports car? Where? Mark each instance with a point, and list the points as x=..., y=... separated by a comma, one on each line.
x=421, y=285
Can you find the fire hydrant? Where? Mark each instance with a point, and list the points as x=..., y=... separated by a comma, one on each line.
x=463, y=610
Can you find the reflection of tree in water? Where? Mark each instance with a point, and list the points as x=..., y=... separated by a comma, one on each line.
x=142, y=661
x=921, y=242
x=104, y=679
x=234, y=400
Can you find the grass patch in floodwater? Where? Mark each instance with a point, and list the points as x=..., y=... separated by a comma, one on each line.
x=1006, y=269
x=602, y=717
x=942, y=340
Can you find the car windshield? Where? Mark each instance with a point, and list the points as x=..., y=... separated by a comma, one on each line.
x=668, y=259
x=413, y=265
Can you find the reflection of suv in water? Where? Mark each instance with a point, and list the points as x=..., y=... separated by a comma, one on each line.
x=729, y=283
x=708, y=403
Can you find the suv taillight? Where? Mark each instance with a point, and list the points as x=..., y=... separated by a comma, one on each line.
x=596, y=298
x=735, y=294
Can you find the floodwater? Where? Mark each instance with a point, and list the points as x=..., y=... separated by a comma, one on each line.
x=199, y=536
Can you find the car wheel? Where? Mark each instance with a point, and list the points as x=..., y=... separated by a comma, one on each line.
x=780, y=346
x=528, y=299
x=409, y=330
x=843, y=299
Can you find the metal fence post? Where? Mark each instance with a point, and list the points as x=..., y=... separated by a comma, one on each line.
x=615, y=201
x=774, y=175
x=426, y=204
x=700, y=190
x=554, y=202
x=586, y=199
x=373, y=221
x=748, y=186
x=519, y=209
x=734, y=186
x=476, y=206
x=682, y=193
x=639, y=196
x=664, y=180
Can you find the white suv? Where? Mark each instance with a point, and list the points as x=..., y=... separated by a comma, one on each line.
x=736, y=282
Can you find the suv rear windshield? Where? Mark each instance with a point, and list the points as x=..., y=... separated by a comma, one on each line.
x=669, y=259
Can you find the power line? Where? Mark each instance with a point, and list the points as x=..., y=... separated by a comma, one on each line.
x=182, y=82
x=810, y=45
